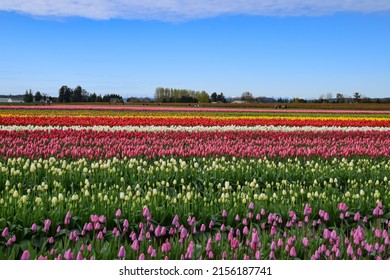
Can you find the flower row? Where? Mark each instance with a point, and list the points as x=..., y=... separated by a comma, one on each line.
x=258, y=235
x=187, y=121
x=255, y=144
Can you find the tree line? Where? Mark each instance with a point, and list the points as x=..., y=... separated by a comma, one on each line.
x=67, y=95
x=29, y=97
x=78, y=94
x=172, y=95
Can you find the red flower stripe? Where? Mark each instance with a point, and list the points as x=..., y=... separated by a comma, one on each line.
x=188, y=121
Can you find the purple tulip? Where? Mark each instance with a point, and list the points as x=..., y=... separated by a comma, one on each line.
x=349, y=250
x=255, y=237
x=102, y=219
x=342, y=207
x=135, y=245
x=79, y=256
x=25, y=255
x=211, y=224
x=224, y=214
x=34, y=227
x=273, y=230
x=125, y=224
x=293, y=253
x=273, y=245
x=308, y=210
x=5, y=232
x=94, y=218
x=234, y=244
x=305, y=242
x=210, y=255
x=157, y=231
x=326, y=216
x=118, y=213
x=272, y=255
x=46, y=225
x=68, y=255
x=356, y=218
x=100, y=235
x=122, y=253
x=11, y=240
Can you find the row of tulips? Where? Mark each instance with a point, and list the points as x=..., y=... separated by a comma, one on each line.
x=7, y=120
x=257, y=235
x=255, y=144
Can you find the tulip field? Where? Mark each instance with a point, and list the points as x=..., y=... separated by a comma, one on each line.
x=121, y=182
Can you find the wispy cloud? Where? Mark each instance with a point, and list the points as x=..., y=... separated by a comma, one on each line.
x=177, y=10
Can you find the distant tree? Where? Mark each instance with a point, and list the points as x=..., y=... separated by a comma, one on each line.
x=107, y=97
x=76, y=94
x=247, y=96
x=214, y=96
x=340, y=98
x=85, y=95
x=298, y=100
x=38, y=96
x=99, y=98
x=357, y=97
x=28, y=97
x=366, y=99
x=203, y=97
x=329, y=97
x=221, y=98
x=92, y=97
x=65, y=94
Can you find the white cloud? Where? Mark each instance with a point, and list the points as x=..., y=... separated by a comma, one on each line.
x=177, y=10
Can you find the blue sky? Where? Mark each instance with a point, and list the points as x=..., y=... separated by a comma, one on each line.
x=273, y=48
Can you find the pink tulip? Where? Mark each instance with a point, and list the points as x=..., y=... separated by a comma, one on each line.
x=135, y=245
x=234, y=243
x=293, y=253
x=305, y=242
x=118, y=213
x=5, y=232
x=79, y=256
x=46, y=225
x=224, y=214
x=122, y=253
x=272, y=255
x=349, y=250
x=25, y=255
x=34, y=227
